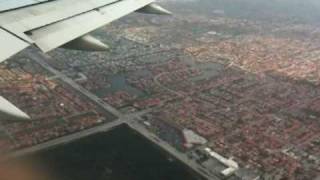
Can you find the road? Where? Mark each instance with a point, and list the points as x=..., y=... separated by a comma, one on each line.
x=37, y=57
x=125, y=119
x=130, y=119
x=121, y=118
x=171, y=150
x=67, y=138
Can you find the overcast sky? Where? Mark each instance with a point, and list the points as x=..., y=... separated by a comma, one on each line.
x=303, y=10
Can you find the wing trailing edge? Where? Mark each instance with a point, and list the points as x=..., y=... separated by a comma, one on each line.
x=64, y=23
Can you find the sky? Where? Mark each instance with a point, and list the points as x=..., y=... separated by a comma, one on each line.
x=299, y=10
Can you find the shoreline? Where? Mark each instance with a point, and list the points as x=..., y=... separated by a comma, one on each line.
x=199, y=172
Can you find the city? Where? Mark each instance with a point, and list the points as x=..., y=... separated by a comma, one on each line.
x=245, y=89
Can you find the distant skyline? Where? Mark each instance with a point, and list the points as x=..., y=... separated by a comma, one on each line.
x=302, y=11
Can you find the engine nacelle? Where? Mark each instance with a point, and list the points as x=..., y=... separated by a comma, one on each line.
x=154, y=9
x=86, y=43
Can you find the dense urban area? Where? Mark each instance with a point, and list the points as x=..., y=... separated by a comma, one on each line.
x=243, y=90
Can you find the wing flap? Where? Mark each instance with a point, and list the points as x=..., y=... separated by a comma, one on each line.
x=10, y=45
x=52, y=36
x=25, y=19
x=13, y=4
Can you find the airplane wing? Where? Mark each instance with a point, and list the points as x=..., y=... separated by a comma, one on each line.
x=49, y=24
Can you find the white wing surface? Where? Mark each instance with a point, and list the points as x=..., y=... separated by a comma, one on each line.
x=49, y=24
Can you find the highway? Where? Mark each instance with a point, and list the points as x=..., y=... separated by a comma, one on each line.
x=66, y=139
x=37, y=57
x=171, y=150
x=130, y=119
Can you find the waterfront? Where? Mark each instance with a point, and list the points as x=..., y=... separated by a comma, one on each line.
x=118, y=154
x=249, y=86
